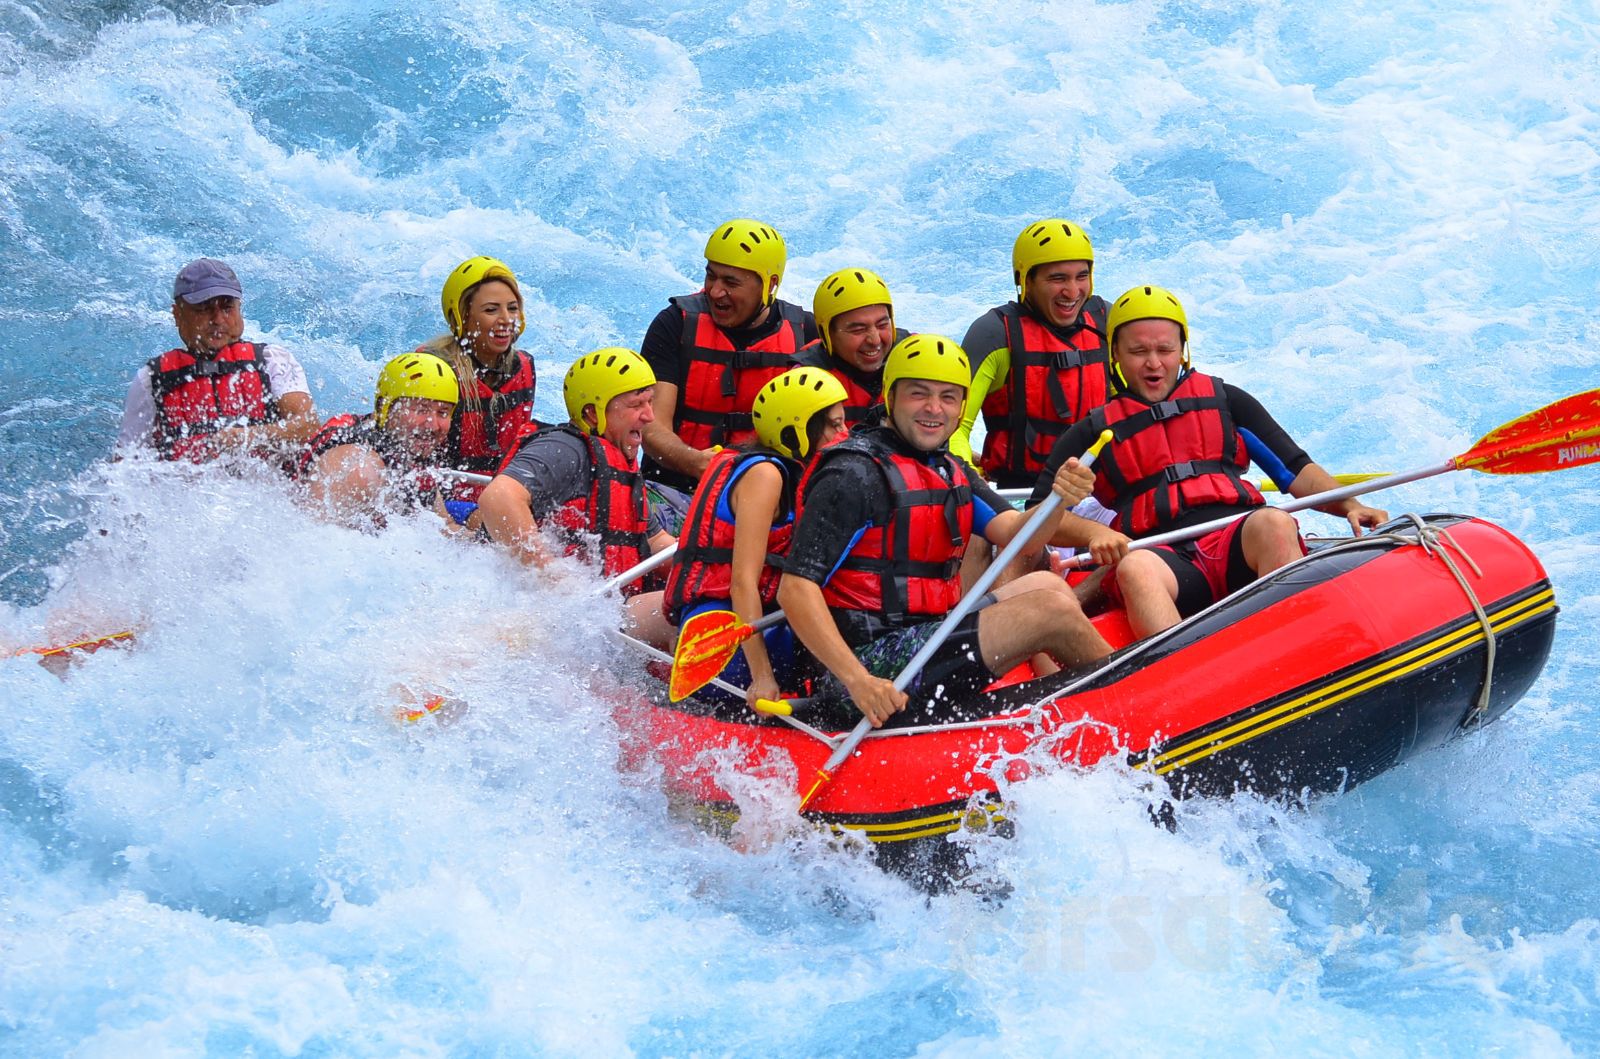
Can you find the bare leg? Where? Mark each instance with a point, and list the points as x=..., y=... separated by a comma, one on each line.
x=643, y=620
x=1037, y=612
x=1149, y=591
x=1271, y=539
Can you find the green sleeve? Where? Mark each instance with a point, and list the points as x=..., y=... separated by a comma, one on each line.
x=989, y=377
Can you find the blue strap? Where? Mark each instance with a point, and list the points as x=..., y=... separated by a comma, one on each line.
x=1267, y=460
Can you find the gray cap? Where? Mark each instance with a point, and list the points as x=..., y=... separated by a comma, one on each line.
x=203, y=279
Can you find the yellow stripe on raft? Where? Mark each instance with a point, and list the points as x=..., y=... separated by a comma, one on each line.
x=1348, y=687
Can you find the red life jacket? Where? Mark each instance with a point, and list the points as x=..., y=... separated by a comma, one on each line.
x=615, y=509
x=195, y=398
x=702, y=568
x=417, y=485
x=863, y=402
x=1170, y=456
x=1053, y=384
x=484, y=439
x=908, y=571
x=721, y=382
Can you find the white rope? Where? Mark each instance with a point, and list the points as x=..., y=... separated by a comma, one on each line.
x=1439, y=544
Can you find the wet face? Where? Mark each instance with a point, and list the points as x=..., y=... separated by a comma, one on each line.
x=862, y=337
x=735, y=295
x=925, y=412
x=1150, y=354
x=209, y=326
x=420, y=425
x=492, y=316
x=1057, y=291
x=626, y=417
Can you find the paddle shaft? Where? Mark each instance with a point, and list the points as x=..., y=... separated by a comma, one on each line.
x=658, y=559
x=465, y=476
x=1344, y=492
x=1266, y=485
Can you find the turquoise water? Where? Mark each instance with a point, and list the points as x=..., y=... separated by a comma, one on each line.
x=1383, y=220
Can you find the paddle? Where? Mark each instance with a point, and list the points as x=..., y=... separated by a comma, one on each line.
x=1266, y=485
x=1041, y=513
x=465, y=476
x=707, y=642
x=57, y=658
x=1562, y=434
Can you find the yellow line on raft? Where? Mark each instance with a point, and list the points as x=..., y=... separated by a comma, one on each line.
x=1348, y=687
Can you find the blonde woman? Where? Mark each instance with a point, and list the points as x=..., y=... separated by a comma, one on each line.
x=483, y=306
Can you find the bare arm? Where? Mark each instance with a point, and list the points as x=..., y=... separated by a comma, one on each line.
x=663, y=445
x=755, y=500
x=509, y=520
x=1312, y=479
x=347, y=484
x=297, y=424
x=1073, y=482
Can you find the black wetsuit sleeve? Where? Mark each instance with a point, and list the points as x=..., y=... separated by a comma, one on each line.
x=1075, y=442
x=987, y=334
x=843, y=496
x=663, y=346
x=1248, y=414
x=553, y=468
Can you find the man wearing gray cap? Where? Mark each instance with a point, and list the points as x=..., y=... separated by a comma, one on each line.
x=216, y=394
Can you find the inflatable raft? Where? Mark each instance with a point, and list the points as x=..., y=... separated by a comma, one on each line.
x=1365, y=653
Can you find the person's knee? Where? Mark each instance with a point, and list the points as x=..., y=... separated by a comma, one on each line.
x=1269, y=524
x=1141, y=569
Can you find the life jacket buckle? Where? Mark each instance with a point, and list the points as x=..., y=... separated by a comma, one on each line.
x=1164, y=410
x=1179, y=471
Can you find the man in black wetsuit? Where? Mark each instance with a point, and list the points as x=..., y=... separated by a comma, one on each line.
x=1182, y=443
x=883, y=522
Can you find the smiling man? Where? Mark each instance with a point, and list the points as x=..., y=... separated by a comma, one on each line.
x=875, y=561
x=1182, y=442
x=215, y=394
x=581, y=478
x=855, y=319
x=360, y=469
x=712, y=351
x=1039, y=362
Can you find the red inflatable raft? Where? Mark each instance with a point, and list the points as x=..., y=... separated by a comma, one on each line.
x=1337, y=667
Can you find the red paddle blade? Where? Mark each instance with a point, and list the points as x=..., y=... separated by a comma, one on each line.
x=1563, y=434
x=706, y=644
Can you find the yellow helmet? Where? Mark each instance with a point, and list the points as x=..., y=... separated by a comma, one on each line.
x=847, y=289
x=460, y=283
x=1045, y=241
x=753, y=246
x=926, y=356
x=414, y=375
x=787, y=402
x=595, y=378
x=1143, y=303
